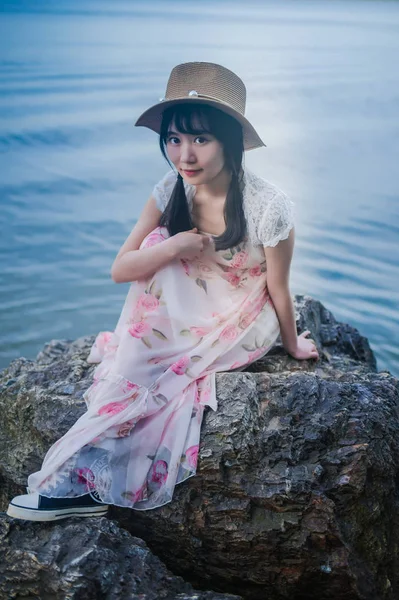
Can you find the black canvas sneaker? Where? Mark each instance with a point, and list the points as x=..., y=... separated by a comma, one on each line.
x=34, y=507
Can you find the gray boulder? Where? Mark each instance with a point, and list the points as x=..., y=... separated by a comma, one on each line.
x=85, y=559
x=296, y=494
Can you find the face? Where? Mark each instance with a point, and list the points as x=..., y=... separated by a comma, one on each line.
x=198, y=158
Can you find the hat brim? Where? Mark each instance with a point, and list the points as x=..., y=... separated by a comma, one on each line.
x=152, y=118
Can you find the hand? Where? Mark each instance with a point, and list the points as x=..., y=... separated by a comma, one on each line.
x=190, y=244
x=306, y=347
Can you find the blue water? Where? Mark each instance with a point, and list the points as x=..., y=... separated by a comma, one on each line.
x=323, y=92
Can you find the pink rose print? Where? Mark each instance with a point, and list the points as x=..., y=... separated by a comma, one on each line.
x=233, y=279
x=140, y=494
x=204, y=269
x=85, y=476
x=256, y=354
x=237, y=364
x=148, y=302
x=220, y=319
x=159, y=471
x=100, y=347
x=239, y=260
x=260, y=303
x=140, y=329
x=180, y=366
x=153, y=239
x=125, y=428
x=255, y=271
x=129, y=386
x=192, y=456
x=200, y=331
x=97, y=439
x=229, y=333
x=246, y=321
x=256, y=306
x=113, y=408
x=204, y=395
x=185, y=266
x=105, y=336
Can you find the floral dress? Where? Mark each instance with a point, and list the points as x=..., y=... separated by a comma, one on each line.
x=156, y=371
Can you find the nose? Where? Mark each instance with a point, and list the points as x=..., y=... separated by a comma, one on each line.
x=187, y=154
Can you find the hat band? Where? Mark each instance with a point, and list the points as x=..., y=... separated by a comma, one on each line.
x=193, y=95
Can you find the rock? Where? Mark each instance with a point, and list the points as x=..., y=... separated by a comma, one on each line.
x=341, y=347
x=296, y=495
x=296, y=491
x=85, y=559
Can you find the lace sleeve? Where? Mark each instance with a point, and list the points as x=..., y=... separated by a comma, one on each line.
x=277, y=220
x=163, y=190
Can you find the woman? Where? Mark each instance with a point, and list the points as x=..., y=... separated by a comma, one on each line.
x=209, y=263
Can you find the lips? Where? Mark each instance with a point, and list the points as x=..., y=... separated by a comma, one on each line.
x=190, y=173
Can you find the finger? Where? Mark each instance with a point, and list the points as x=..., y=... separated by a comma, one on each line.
x=205, y=244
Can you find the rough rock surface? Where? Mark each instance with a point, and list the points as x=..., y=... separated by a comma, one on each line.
x=85, y=559
x=296, y=495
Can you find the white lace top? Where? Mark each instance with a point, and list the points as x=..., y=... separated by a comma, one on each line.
x=268, y=210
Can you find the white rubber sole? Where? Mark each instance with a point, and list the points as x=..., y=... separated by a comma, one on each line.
x=29, y=514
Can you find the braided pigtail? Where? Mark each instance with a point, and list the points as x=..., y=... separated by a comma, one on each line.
x=176, y=216
x=236, y=226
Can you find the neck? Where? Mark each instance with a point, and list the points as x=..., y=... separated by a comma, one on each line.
x=216, y=188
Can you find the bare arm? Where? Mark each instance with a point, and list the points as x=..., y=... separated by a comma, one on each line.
x=131, y=263
x=278, y=262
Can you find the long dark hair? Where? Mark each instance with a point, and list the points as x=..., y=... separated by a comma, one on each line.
x=228, y=131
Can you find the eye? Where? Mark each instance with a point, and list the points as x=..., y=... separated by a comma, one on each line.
x=171, y=140
x=201, y=139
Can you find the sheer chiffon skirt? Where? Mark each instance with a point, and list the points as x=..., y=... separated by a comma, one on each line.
x=155, y=375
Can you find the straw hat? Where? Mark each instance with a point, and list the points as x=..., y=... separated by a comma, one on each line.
x=204, y=83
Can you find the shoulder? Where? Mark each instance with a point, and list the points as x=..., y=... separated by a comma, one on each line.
x=259, y=191
x=269, y=209
x=162, y=190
